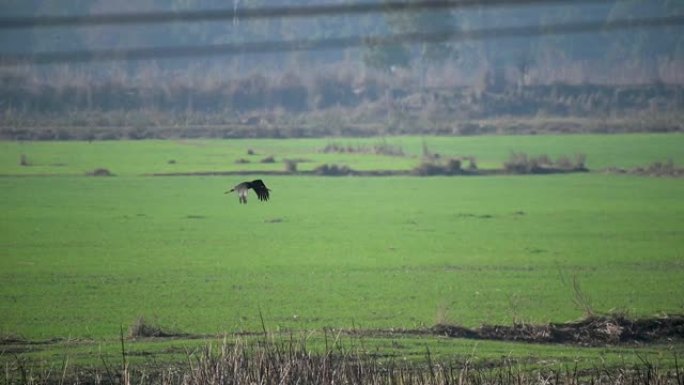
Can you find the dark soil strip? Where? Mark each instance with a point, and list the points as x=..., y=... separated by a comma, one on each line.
x=592, y=331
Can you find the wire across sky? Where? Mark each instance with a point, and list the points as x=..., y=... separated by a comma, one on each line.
x=243, y=13
x=277, y=46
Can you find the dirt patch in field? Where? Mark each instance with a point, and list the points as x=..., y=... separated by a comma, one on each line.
x=593, y=331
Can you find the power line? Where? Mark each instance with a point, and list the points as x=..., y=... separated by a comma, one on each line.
x=232, y=49
x=18, y=22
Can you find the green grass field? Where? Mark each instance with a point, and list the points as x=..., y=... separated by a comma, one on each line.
x=82, y=256
x=153, y=156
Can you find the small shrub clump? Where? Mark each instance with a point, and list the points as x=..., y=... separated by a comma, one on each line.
x=333, y=170
x=380, y=148
x=23, y=160
x=141, y=328
x=290, y=165
x=521, y=163
x=436, y=167
x=100, y=172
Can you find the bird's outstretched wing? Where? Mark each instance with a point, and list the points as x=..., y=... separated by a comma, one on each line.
x=260, y=189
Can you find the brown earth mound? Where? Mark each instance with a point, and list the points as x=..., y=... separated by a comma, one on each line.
x=597, y=330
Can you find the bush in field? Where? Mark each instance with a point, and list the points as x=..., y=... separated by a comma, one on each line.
x=290, y=165
x=384, y=148
x=380, y=148
x=666, y=168
x=100, y=172
x=333, y=170
x=521, y=163
x=142, y=328
x=436, y=167
x=565, y=163
x=472, y=163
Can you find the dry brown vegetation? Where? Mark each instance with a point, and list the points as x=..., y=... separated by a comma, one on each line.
x=591, y=331
x=144, y=328
x=291, y=361
x=438, y=166
x=380, y=148
x=658, y=168
x=321, y=104
x=522, y=163
x=266, y=358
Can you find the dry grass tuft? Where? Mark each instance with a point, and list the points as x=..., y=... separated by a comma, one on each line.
x=292, y=362
x=143, y=328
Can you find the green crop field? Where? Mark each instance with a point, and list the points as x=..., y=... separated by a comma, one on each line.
x=158, y=156
x=82, y=256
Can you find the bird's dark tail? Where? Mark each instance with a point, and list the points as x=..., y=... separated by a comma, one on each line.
x=230, y=191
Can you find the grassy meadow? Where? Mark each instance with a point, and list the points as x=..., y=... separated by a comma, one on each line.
x=82, y=256
x=181, y=156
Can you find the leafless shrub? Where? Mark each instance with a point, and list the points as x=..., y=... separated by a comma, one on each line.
x=657, y=168
x=333, y=170
x=291, y=165
x=142, y=328
x=453, y=166
x=564, y=162
x=23, y=160
x=472, y=163
x=268, y=159
x=384, y=148
x=242, y=161
x=337, y=148
x=521, y=163
x=581, y=299
x=428, y=167
x=580, y=161
x=660, y=168
x=442, y=314
x=518, y=163
x=380, y=148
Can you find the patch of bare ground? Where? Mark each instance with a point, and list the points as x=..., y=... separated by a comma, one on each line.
x=591, y=331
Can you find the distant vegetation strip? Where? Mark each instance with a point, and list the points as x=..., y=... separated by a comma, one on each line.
x=310, y=106
x=334, y=170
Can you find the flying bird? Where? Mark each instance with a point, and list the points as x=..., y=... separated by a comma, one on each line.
x=257, y=185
